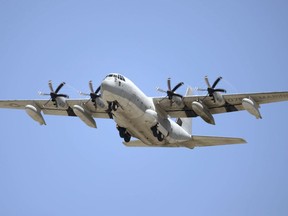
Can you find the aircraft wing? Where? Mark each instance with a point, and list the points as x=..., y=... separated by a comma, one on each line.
x=50, y=109
x=233, y=103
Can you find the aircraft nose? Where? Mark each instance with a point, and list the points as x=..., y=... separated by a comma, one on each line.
x=106, y=84
x=107, y=89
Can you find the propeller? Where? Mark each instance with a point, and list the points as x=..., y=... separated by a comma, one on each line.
x=212, y=89
x=93, y=94
x=171, y=92
x=54, y=94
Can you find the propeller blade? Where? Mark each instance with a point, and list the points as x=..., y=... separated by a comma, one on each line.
x=91, y=86
x=207, y=81
x=200, y=89
x=47, y=102
x=50, y=86
x=59, y=87
x=83, y=93
x=216, y=82
x=44, y=94
x=169, y=84
x=177, y=86
x=97, y=90
x=161, y=90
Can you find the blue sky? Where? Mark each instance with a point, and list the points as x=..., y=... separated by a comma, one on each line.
x=66, y=168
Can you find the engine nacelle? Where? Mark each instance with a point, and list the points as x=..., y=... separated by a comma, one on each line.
x=100, y=103
x=35, y=113
x=84, y=116
x=219, y=100
x=203, y=112
x=150, y=117
x=177, y=100
x=252, y=107
x=61, y=102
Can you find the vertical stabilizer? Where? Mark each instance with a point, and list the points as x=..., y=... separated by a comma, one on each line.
x=186, y=123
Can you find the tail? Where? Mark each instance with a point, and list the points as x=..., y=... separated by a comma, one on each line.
x=186, y=123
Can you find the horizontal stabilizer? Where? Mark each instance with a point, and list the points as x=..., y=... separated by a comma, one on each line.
x=202, y=141
x=135, y=143
x=195, y=141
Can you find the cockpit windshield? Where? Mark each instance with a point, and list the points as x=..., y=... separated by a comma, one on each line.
x=117, y=76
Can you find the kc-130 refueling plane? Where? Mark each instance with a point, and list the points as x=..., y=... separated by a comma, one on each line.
x=148, y=119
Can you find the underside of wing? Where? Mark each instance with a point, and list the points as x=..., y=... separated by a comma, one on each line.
x=82, y=108
x=232, y=103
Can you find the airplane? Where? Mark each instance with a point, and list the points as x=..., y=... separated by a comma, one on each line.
x=149, y=120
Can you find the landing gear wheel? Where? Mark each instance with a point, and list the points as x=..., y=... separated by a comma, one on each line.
x=122, y=132
x=127, y=137
x=160, y=137
x=154, y=131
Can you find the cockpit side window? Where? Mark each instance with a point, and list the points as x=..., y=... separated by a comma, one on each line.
x=121, y=77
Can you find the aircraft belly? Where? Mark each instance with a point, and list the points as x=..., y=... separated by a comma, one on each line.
x=137, y=128
x=132, y=118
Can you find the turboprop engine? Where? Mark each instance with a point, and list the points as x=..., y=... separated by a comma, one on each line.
x=171, y=92
x=213, y=92
x=58, y=99
x=95, y=96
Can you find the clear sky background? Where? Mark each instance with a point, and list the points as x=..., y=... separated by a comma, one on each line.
x=67, y=168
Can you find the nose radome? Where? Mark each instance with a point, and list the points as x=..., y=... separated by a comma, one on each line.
x=105, y=84
x=107, y=89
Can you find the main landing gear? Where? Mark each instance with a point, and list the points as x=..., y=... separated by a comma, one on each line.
x=123, y=133
x=157, y=133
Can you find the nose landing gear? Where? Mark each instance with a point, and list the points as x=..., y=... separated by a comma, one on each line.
x=113, y=106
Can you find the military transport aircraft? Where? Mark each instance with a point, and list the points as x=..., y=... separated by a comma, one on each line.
x=148, y=119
